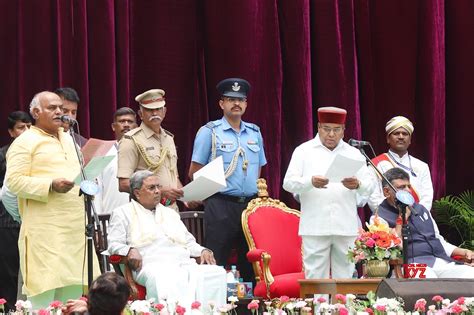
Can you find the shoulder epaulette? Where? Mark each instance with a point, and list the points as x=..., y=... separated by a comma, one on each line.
x=168, y=133
x=131, y=133
x=253, y=127
x=213, y=124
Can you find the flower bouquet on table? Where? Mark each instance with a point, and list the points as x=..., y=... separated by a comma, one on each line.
x=379, y=242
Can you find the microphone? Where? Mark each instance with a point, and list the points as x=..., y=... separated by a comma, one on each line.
x=358, y=143
x=68, y=119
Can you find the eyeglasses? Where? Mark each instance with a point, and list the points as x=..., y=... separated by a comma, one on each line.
x=235, y=99
x=328, y=130
x=153, y=187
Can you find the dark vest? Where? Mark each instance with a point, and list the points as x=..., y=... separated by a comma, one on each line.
x=423, y=246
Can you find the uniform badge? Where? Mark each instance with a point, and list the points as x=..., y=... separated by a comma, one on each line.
x=252, y=142
x=236, y=87
x=150, y=148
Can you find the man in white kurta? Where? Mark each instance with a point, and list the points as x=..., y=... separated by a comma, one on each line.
x=109, y=196
x=329, y=221
x=399, y=131
x=165, y=247
x=42, y=163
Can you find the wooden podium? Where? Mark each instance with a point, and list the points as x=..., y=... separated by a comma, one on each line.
x=309, y=287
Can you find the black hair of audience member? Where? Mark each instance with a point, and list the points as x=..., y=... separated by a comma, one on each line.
x=108, y=295
x=124, y=111
x=18, y=115
x=68, y=94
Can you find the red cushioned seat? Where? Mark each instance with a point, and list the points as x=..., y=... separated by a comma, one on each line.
x=275, y=248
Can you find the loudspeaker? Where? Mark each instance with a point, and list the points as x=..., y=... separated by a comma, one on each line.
x=411, y=290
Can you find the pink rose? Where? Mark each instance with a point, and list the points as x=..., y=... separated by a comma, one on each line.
x=180, y=310
x=43, y=312
x=437, y=299
x=252, y=305
x=369, y=310
x=343, y=311
x=195, y=305
x=159, y=306
x=55, y=304
x=370, y=243
x=380, y=308
x=457, y=309
x=321, y=300
x=461, y=300
x=341, y=298
x=83, y=298
x=284, y=298
x=3, y=301
x=420, y=305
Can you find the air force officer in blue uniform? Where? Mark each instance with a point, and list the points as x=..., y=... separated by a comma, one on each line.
x=241, y=146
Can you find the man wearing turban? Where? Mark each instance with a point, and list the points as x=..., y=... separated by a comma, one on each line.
x=399, y=130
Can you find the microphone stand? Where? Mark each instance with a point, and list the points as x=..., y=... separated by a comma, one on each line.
x=92, y=224
x=402, y=210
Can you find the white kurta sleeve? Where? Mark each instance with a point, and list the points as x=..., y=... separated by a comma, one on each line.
x=117, y=236
x=426, y=190
x=295, y=181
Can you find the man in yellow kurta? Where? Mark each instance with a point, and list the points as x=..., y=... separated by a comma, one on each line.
x=41, y=166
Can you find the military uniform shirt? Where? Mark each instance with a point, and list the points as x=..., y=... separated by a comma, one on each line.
x=241, y=182
x=130, y=158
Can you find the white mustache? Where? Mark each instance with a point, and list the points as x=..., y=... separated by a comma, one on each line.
x=155, y=117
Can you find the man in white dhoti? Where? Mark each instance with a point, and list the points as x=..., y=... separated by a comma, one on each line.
x=160, y=248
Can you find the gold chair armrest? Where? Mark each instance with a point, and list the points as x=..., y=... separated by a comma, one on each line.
x=267, y=274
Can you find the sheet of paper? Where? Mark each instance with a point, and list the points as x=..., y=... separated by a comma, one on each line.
x=343, y=167
x=207, y=181
x=96, y=147
x=94, y=168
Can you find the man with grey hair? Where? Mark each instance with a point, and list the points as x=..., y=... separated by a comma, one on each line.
x=160, y=248
x=42, y=165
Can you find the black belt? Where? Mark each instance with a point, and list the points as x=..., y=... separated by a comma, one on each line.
x=234, y=198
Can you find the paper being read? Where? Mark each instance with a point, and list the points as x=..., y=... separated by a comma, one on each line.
x=207, y=181
x=343, y=167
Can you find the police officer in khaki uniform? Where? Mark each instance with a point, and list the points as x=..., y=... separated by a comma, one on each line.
x=150, y=147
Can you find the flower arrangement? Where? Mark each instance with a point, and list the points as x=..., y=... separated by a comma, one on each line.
x=378, y=242
x=344, y=305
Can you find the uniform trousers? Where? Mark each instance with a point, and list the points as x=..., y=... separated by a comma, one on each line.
x=327, y=255
x=9, y=266
x=222, y=217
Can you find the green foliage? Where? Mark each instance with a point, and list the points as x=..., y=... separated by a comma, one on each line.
x=458, y=212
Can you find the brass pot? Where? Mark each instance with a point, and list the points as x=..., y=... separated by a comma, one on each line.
x=377, y=268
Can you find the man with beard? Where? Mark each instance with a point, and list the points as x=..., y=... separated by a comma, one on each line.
x=41, y=166
x=151, y=147
x=399, y=131
x=109, y=196
x=241, y=146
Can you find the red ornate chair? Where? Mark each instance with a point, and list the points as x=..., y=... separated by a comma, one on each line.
x=275, y=248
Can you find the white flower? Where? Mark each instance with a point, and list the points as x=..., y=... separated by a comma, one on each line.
x=233, y=299
x=363, y=313
x=140, y=306
x=350, y=297
x=300, y=304
x=290, y=306
x=446, y=302
x=324, y=306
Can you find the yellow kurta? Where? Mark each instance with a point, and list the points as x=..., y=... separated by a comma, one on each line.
x=52, y=239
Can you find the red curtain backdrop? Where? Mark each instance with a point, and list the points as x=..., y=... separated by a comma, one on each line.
x=375, y=58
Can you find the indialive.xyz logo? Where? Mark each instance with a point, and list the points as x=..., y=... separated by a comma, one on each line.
x=414, y=270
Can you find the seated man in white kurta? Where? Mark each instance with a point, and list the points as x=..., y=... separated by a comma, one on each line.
x=160, y=248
